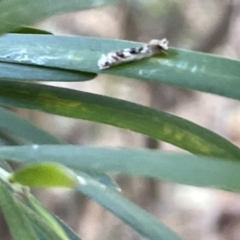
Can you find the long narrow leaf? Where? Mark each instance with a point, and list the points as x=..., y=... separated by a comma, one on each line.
x=20, y=72
x=22, y=128
x=29, y=30
x=19, y=225
x=130, y=213
x=186, y=69
x=27, y=12
x=156, y=124
x=180, y=168
x=53, y=232
x=9, y=139
x=51, y=218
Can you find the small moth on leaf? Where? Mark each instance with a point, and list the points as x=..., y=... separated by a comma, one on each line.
x=133, y=54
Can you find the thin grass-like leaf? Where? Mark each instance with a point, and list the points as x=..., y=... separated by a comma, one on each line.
x=181, y=68
x=21, y=72
x=19, y=225
x=27, y=12
x=180, y=168
x=25, y=129
x=156, y=124
x=130, y=213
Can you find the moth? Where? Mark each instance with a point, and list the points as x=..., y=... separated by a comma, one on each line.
x=133, y=54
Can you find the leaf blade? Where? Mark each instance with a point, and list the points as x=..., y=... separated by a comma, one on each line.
x=181, y=68
x=19, y=225
x=25, y=129
x=156, y=124
x=137, y=218
x=56, y=223
x=21, y=72
x=13, y=12
x=180, y=168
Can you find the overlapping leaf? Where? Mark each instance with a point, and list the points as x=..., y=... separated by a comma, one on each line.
x=181, y=168
x=181, y=68
x=22, y=128
x=156, y=124
x=27, y=12
x=19, y=225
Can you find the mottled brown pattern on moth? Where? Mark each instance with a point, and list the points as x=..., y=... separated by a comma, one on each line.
x=133, y=54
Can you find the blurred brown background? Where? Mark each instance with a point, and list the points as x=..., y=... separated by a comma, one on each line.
x=195, y=213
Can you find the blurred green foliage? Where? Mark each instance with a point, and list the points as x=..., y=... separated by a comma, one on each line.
x=27, y=57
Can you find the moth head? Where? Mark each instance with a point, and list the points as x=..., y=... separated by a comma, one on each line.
x=161, y=45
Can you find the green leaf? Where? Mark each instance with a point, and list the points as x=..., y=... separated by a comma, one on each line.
x=130, y=213
x=28, y=30
x=27, y=12
x=4, y=165
x=185, y=69
x=101, y=178
x=9, y=139
x=180, y=168
x=43, y=226
x=58, y=225
x=20, y=72
x=156, y=124
x=19, y=225
x=44, y=175
x=25, y=129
